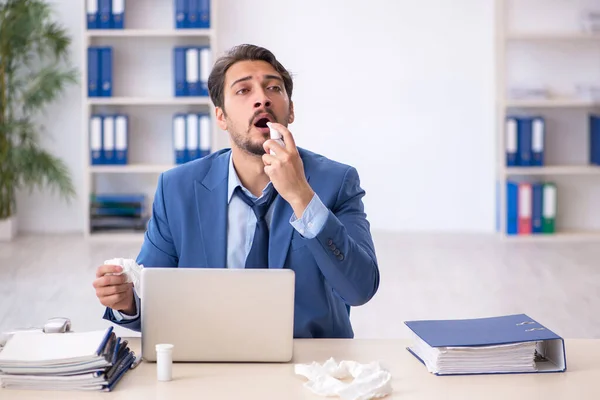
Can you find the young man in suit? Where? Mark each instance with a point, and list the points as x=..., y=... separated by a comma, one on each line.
x=247, y=208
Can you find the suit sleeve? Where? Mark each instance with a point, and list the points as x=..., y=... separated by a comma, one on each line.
x=344, y=250
x=157, y=250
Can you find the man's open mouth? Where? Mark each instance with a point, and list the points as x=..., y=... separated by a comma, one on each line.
x=261, y=123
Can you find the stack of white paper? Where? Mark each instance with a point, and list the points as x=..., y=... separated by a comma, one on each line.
x=64, y=361
x=506, y=358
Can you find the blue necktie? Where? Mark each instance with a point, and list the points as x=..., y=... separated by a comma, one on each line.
x=259, y=252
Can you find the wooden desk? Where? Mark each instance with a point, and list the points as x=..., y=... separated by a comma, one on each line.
x=410, y=378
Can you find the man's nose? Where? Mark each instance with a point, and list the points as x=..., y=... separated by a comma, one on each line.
x=262, y=101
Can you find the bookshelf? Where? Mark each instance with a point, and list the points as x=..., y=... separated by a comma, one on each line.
x=143, y=90
x=550, y=50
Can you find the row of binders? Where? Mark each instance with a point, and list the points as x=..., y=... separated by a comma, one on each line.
x=192, y=14
x=530, y=208
x=100, y=71
x=82, y=361
x=525, y=141
x=191, y=136
x=110, y=14
x=105, y=14
x=192, y=66
x=109, y=139
x=118, y=212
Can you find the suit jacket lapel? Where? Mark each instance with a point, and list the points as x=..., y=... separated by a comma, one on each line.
x=280, y=235
x=211, y=202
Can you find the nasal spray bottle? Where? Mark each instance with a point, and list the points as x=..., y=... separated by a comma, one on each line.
x=276, y=136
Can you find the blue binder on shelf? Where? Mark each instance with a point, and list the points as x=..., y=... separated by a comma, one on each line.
x=203, y=14
x=93, y=14
x=96, y=156
x=118, y=14
x=594, y=139
x=474, y=346
x=205, y=134
x=192, y=71
x=192, y=137
x=511, y=141
x=105, y=7
x=537, y=208
x=121, y=139
x=108, y=139
x=538, y=141
x=205, y=68
x=179, y=71
x=181, y=14
x=525, y=133
x=179, y=138
x=193, y=13
x=512, y=208
x=93, y=72
x=106, y=71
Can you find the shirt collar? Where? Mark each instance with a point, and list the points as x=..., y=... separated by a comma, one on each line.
x=233, y=181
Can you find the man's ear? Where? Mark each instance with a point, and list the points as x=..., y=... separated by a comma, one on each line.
x=292, y=116
x=220, y=115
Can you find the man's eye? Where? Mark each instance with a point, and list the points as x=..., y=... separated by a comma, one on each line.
x=241, y=91
x=275, y=88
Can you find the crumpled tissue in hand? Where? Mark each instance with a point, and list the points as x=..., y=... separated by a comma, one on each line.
x=370, y=381
x=131, y=269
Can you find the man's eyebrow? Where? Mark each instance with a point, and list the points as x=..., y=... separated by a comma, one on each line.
x=246, y=78
x=266, y=77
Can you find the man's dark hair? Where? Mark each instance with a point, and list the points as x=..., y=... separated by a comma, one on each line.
x=244, y=52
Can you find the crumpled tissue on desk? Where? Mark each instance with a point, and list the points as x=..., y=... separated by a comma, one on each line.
x=370, y=381
x=131, y=269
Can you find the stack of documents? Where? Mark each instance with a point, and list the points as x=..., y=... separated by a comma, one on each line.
x=507, y=344
x=64, y=361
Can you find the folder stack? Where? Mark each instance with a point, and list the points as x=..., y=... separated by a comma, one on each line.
x=94, y=360
x=525, y=141
x=531, y=207
x=496, y=345
x=594, y=142
x=191, y=136
x=191, y=66
x=109, y=139
x=105, y=14
x=124, y=212
x=192, y=14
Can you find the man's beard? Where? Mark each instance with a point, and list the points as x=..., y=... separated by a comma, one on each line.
x=245, y=142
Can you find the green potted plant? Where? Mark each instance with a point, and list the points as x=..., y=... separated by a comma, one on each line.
x=34, y=71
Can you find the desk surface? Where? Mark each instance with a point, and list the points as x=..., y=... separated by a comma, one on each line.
x=410, y=378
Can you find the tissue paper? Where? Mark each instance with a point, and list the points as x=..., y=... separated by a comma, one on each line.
x=131, y=269
x=370, y=381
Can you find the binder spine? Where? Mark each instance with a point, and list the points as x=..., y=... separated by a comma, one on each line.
x=93, y=14
x=179, y=67
x=179, y=138
x=192, y=71
x=108, y=139
x=192, y=145
x=524, y=142
x=106, y=71
x=118, y=14
x=105, y=7
x=594, y=139
x=205, y=134
x=121, y=139
x=512, y=208
x=193, y=13
x=204, y=14
x=93, y=72
x=537, y=208
x=96, y=139
x=538, y=141
x=181, y=14
x=205, y=67
x=525, y=208
x=511, y=141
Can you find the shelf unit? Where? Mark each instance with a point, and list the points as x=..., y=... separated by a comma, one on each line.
x=143, y=79
x=566, y=152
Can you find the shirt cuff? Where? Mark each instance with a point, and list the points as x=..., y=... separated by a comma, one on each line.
x=312, y=220
x=123, y=317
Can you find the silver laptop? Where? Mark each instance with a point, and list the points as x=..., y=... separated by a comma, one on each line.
x=218, y=315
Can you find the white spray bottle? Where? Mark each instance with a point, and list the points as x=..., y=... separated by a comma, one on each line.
x=276, y=136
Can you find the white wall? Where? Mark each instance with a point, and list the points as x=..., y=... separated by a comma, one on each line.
x=403, y=90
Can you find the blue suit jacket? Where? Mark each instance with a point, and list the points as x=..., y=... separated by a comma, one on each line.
x=335, y=270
